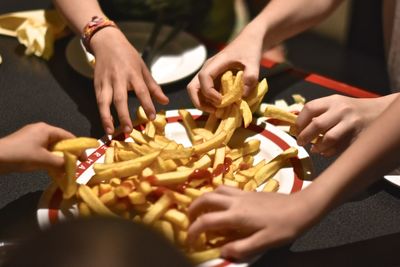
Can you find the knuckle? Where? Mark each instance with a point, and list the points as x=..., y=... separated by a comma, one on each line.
x=119, y=99
x=309, y=107
x=318, y=124
x=204, y=221
x=330, y=138
x=251, y=77
x=101, y=101
x=140, y=91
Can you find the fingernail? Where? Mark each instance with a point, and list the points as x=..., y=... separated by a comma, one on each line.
x=300, y=142
x=127, y=129
x=152, y=116
x=109, y=130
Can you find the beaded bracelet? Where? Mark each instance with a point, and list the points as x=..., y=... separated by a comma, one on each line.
x=96, y=24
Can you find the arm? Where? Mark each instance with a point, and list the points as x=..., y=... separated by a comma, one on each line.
x=119, y=67
x=28, y=148
x=279, y=20
x=339, y=118
x=264, y=220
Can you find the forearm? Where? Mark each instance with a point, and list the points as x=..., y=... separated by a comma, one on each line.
x=371, y=156
x=281, y=19
x=78, y=13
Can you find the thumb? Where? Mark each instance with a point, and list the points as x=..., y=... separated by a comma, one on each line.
x=50, y=160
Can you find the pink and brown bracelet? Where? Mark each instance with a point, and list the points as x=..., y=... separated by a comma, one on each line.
x=96, y=24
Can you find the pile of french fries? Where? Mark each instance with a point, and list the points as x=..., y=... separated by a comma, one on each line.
x=154, y=179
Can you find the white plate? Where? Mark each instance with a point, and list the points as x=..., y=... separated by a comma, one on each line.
x=180, y=58
x=394, y=179
x=273, y=141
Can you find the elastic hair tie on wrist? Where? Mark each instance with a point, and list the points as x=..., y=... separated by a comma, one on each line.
x=93, y=26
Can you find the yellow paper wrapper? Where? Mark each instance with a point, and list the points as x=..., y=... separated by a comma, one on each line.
x=36, y=30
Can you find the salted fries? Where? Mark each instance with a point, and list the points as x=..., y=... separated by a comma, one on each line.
x=155, y=179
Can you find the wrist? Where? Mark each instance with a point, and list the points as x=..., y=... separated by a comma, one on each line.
x=315, y=200
x=101, y=40
x=94, y=26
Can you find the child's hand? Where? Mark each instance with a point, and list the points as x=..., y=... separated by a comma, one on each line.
x=338, y=118
x=28, y=148
x=119, y=68
x=243, y=53
x=258, y=220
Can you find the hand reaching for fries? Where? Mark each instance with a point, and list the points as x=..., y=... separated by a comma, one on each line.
x=118, y=71
x=339, y=119
x=256, y=220
x=28, y=149
x=239, y=54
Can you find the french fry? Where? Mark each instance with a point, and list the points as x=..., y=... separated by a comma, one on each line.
x=137, y=198
x=217, y=140
x=94, y=202
x=235, y=93
x=256, y=96
x=202, y=256
x=188, y=122
x=84, y=209
x=141, y=114
x=76, y=145
x=280, y=114
x=138, y=137
x=166, y=229
x=158, y=209
x=271, y=168
x=226, y=82
x=271, y=186
x=122, y=169
x=246, y=113
x=70, y=170
x=170, y=178
x=211, y=123
x=177, y=218
x=108, y=198
x=109, y=155
x=204, y=133
x=150, y=129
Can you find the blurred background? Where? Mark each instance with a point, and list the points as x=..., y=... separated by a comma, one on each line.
x=347, y=46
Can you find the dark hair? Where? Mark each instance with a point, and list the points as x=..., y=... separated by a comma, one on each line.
x=97, y=242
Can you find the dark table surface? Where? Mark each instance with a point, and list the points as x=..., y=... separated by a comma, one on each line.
x=364, y=231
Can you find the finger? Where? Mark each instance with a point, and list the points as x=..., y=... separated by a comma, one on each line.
x=330, y=152
x=104, y=97
x=207, y=87
x=56, y=134
x=334, y=141
x=208, y=202
x=198, y=101
x=249, y=246
x=311, y=109
x=120, y=100
x=143, y=95
x=47, y=160
x=154, y=88
x=318, y=125
x=250, y=79
x=212, y=221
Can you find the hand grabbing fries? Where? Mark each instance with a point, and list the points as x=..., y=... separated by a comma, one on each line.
x=154, y=179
